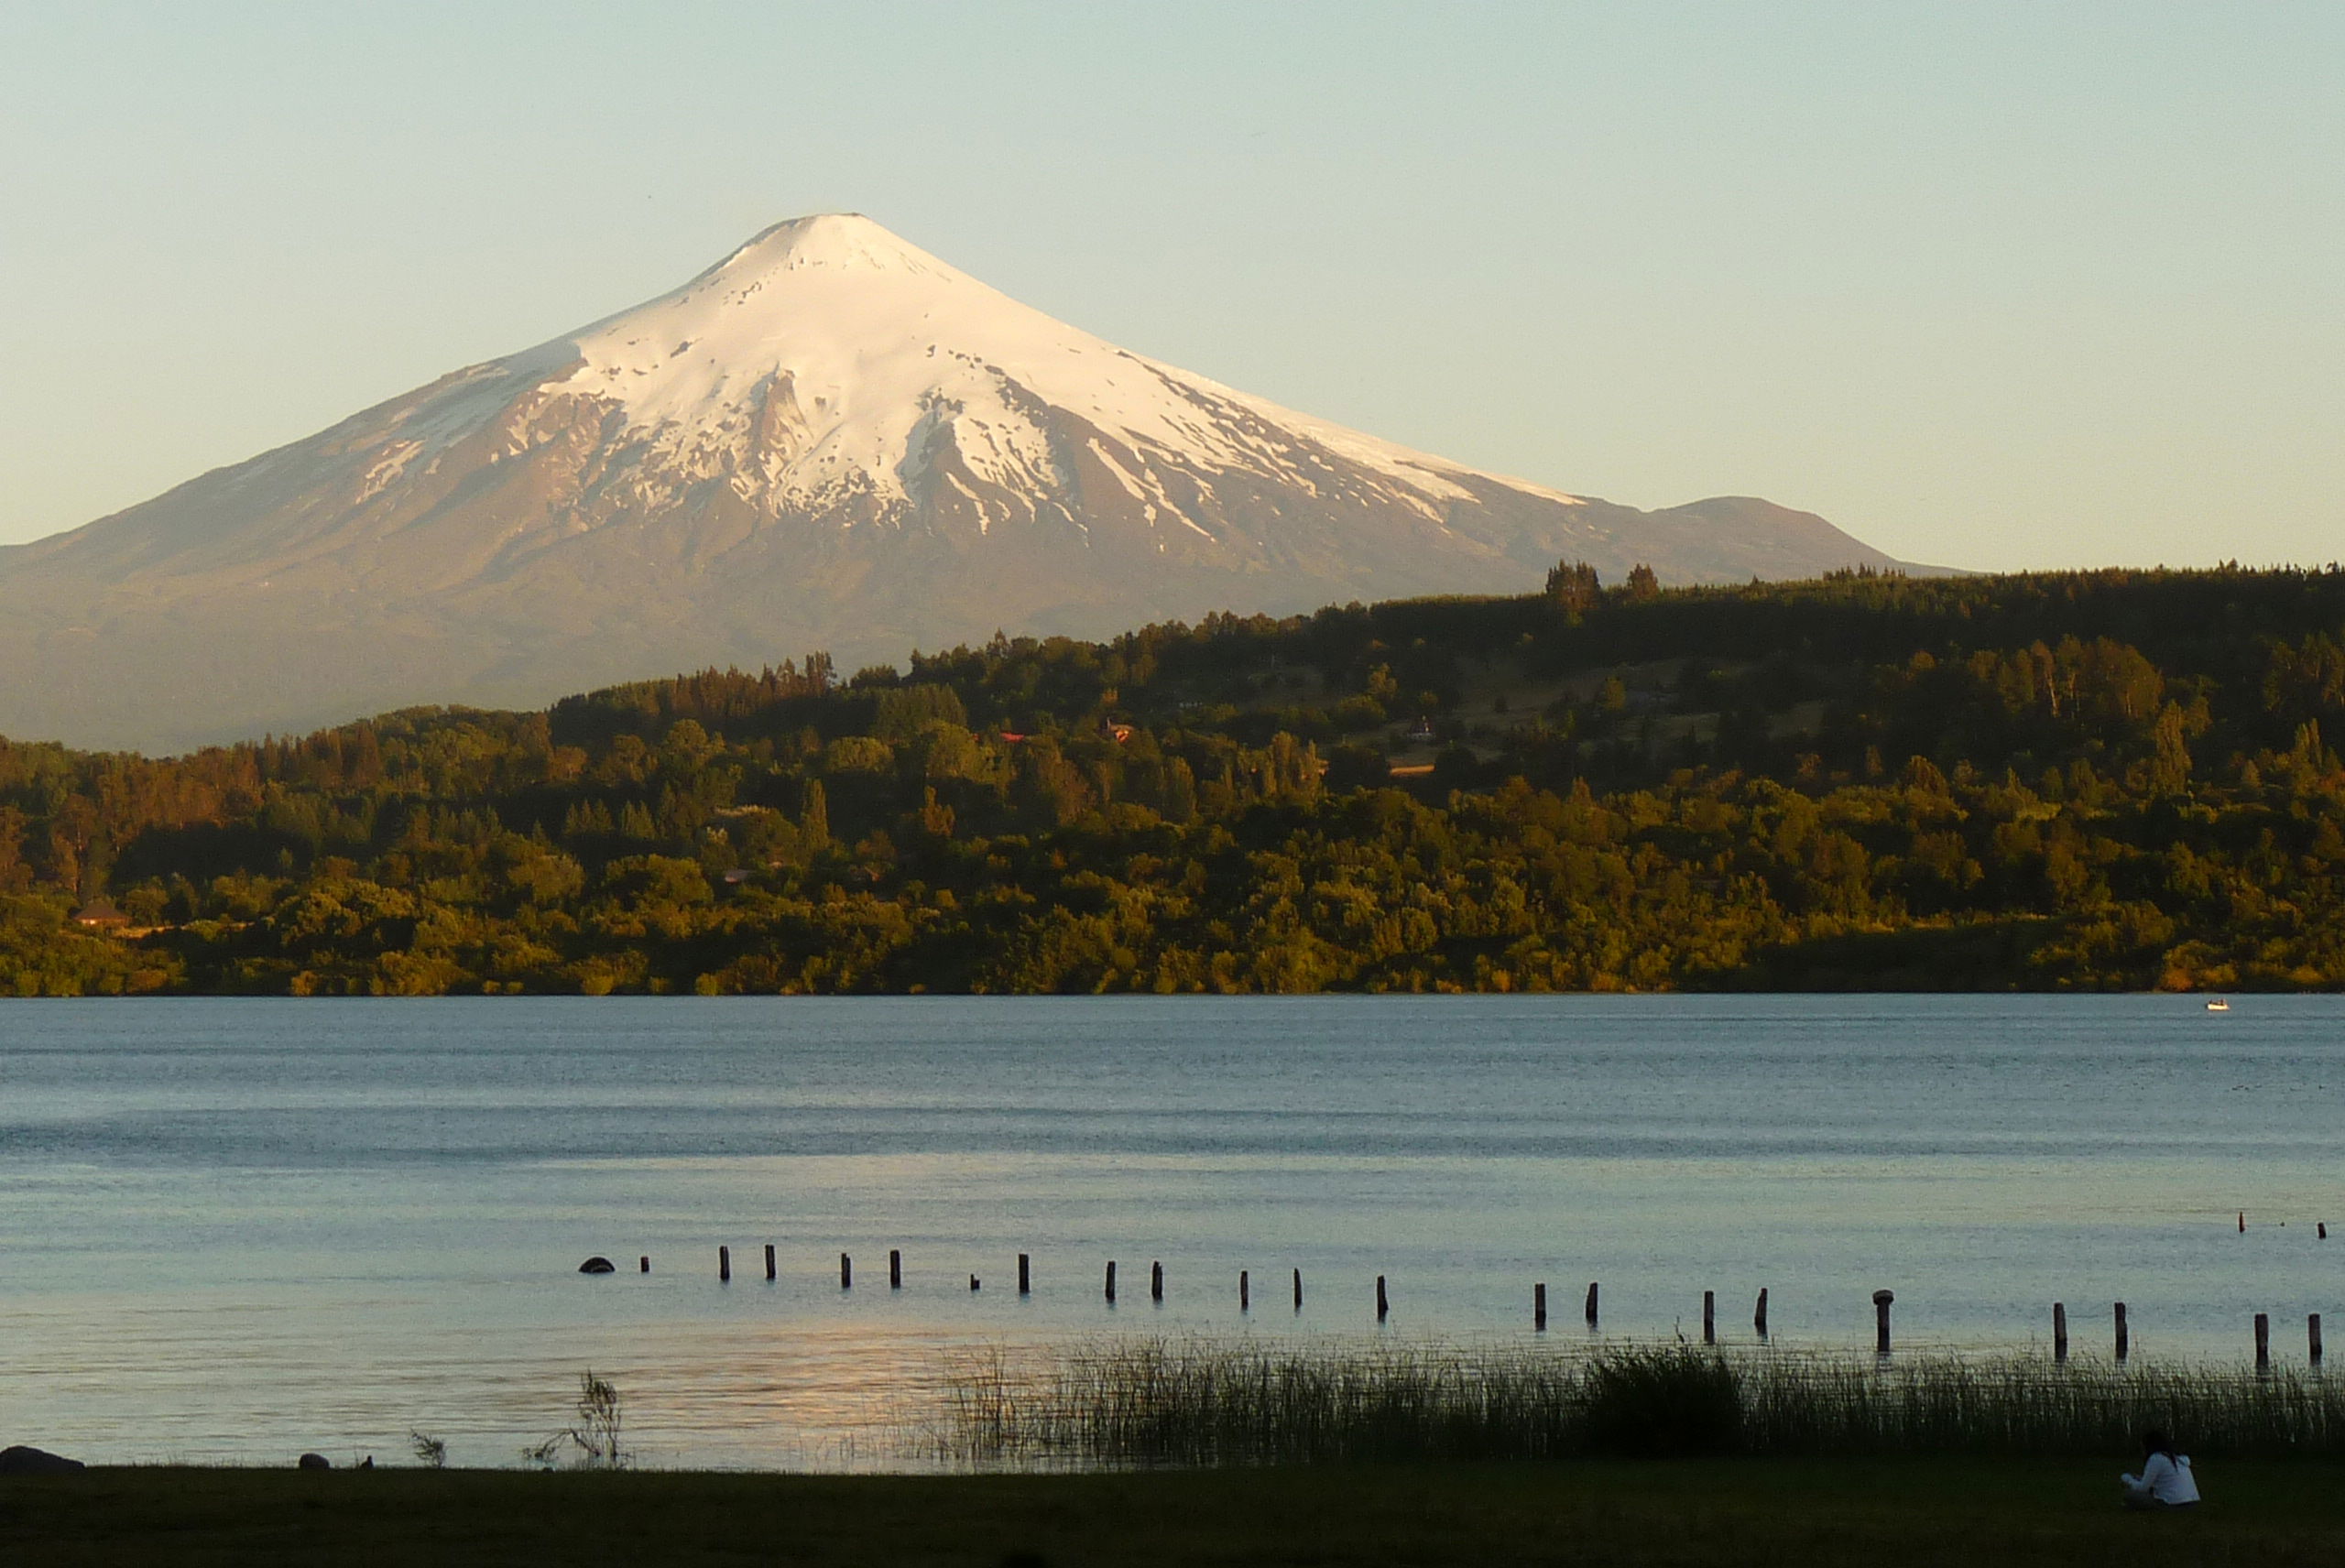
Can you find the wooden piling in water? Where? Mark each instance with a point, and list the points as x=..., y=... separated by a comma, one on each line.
x=1880, y=1301
x=1759, y=1315
x=1709, y=1317
x=846, y=1272
x=974, y=1282
x=895, y=1269
x=1383, y=1305
x=2124, y=1335
x=2242, y=1222
x=1111, y=1281
x=1245, y=1292
x=1591, y=1303
x=724, y=1265
x=2324, y=1230
x=2312, y=1338
x=2059, y=1332
x=1539, y=1307
x=1156, y=1283
x=643, y=1264
x=2263, y=1342
x=1298, y=1290
x=1025, y=1283
x=769, y=1268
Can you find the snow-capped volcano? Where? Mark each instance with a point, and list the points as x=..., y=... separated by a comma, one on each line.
x=826, y=365
x=831, y=440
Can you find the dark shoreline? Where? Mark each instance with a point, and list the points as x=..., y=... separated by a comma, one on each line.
x=1909, y=1511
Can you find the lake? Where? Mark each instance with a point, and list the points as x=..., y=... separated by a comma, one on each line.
x=238, y=1229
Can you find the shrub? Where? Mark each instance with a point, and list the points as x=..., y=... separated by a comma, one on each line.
x=1661, y=1403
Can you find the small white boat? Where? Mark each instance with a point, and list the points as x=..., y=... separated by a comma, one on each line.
x=2217, y=1005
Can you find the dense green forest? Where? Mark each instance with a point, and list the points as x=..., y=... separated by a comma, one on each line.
x=2077, y=780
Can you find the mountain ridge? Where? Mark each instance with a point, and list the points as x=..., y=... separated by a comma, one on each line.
x=829, y=439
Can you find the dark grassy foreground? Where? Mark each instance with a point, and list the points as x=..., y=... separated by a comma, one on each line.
x=1905, y=1511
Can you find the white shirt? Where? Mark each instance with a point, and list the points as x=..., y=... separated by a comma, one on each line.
x=2165, y=1479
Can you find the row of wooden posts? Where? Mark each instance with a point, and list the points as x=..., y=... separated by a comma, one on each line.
x=2125, y=1337
x=1881, y=1300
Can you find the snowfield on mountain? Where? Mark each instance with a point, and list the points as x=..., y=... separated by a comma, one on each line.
x=830, y=440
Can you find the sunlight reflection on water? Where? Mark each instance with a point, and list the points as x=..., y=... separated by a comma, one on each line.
x=241, y=1229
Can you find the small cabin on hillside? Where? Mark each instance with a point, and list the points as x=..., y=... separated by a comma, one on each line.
x=100, y=915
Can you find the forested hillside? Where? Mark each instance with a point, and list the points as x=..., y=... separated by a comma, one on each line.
x=2105, y=779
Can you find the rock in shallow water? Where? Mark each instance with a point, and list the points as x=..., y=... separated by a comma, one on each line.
x=596, y=1265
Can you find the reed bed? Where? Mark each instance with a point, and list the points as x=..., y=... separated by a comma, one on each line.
x=1205, y=1402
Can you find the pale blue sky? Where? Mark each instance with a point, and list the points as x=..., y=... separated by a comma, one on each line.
x=1993, y=285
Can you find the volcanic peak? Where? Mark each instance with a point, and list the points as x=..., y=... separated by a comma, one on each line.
x=831, y=438
x=825, y=239
x=827, y=361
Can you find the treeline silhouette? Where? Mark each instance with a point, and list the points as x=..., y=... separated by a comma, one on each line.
x=2105, y=779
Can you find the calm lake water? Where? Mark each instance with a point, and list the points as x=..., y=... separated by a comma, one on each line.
x=239, y=1229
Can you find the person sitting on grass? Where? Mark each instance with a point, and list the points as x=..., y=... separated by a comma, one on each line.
x=2165, y=1481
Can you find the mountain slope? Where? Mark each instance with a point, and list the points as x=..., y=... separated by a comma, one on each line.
x=829, y=440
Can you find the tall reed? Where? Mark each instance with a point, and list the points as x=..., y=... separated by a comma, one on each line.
x=1204, y=1403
